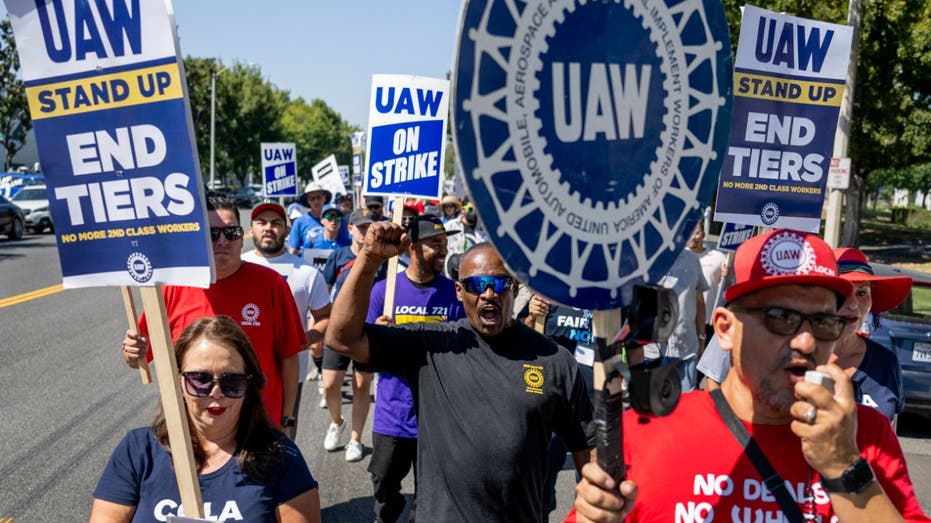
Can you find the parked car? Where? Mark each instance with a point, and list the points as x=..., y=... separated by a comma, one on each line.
x=248, y=196
x=12, y=183
x=907, y=330
x=34, y=202
x=12, y=221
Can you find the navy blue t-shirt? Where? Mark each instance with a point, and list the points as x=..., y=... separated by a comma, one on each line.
x=879, y=380
x=140, y=474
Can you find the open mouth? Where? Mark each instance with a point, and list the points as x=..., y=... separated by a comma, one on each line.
x=489, y=313
x=798, y=369
x=216, y=411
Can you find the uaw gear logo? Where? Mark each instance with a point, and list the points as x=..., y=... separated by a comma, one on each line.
x=590, y=133
x=769, y=213
x=787, y=253
x=250, y=315
x=139, y=267
x=533, y=378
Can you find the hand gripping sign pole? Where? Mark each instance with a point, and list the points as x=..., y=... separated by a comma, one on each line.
x=589, y=149
x=129, y=307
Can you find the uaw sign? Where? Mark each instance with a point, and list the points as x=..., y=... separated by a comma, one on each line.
x=590, y=133
x=279, y=169
x=406, y=136
x=788, y=89
x=106, y=94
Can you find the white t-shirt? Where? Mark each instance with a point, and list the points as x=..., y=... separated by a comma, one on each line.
x=306, y=283
x=712, y=265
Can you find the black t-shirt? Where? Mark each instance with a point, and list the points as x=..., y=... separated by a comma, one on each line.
x=486, y=409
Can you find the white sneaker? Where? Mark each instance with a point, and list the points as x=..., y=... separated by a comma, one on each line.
x=354, y=451
x=331, y=441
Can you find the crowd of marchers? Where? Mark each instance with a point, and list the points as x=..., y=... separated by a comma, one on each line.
x=483, y=385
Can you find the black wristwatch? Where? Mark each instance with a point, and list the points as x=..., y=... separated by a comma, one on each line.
x=288, y=421
x=855, y=478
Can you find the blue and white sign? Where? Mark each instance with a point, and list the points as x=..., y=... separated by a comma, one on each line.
x=279, y=169
x=327, y=174
x=732, y=235
x=590, y=135
x=358, y=144
x=406, y=136
x=108, y=102
x=789, y=82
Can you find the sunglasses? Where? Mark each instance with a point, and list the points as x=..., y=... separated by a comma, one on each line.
x=333, y=217
x=199, y=384
x=786, y=322
x=232, y=232
x=478, y=284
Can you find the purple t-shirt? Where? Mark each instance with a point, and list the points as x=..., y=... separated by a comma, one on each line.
x=395, y=414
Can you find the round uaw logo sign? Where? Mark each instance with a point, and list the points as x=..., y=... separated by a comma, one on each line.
x=590, y=133
x=787, y=253
x=769, y=213
x=139, y=267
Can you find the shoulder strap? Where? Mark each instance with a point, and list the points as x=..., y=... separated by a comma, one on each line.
x=772, y=479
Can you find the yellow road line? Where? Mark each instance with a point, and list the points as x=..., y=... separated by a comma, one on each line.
x=26, y=296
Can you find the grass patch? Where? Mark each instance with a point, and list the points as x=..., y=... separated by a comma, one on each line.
x=877, y=228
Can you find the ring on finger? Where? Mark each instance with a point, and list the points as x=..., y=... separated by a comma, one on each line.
x=811, y=415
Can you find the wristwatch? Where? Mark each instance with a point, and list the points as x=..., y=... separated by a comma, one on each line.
x=855, y=478
x=288, y=421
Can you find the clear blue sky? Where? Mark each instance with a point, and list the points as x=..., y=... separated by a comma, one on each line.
x=327, y=49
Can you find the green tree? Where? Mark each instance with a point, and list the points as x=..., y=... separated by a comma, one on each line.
x=15, y=121
x=248, y=112
x=317, y=131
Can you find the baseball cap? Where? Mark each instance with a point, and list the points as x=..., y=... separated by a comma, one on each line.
x=374, y=200
x=331, y=208
x=888, y=291
x=359, y=217
x=423, y=227
x=785, y=257
x=269, y=206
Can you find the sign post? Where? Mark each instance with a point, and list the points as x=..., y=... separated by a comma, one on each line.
x=108, y=102
x=570, y=125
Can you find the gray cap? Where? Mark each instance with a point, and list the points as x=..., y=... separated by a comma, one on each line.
x=359, y=217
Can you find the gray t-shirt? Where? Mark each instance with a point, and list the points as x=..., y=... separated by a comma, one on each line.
x=714, y=362
x=685, y=278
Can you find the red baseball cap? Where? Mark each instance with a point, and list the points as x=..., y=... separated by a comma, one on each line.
x=888, y=291
x=785, y=257
x=269, y=206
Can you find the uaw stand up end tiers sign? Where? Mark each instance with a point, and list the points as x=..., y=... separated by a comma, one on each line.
x=595, y=131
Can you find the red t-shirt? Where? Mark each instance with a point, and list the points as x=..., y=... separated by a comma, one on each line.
x=689, y=467
x=260, y=301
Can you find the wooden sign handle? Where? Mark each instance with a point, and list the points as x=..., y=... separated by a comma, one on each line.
x=397, y=212
x=129, y=306
x=169, y=391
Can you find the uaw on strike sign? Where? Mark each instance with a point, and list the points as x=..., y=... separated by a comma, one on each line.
x=590, y=133
x=106, y=95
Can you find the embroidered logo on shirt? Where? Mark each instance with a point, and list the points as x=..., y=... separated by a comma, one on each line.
x=533, y=377
x=250, y=315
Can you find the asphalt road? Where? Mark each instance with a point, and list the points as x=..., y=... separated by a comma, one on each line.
x=67, y=399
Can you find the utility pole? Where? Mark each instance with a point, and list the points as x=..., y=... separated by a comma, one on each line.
x=832, y=222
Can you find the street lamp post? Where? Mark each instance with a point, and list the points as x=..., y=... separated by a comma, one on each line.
x=213, y=123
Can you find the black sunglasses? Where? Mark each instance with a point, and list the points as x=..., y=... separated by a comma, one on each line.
x=199, y=384
x=232, y=232
x=478, y=284
x=786, y=322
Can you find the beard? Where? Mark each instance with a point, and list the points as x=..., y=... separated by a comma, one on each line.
x=274, y=247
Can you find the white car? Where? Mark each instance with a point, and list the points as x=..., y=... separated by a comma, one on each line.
x=33, y=200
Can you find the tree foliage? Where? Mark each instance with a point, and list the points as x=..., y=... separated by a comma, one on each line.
x=317, y=132
x=15, y=121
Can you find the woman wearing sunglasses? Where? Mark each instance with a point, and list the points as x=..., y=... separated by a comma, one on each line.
x=872, y=367
x=247, y=469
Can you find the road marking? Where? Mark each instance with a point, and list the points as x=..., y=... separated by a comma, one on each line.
x=26, y=296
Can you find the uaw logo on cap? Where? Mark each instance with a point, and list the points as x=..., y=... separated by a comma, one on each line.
x=139, y=267
x=590, y=133
x=787, y=253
